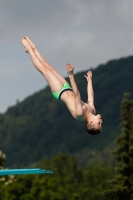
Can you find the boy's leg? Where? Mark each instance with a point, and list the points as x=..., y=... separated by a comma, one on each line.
x=42, y=59
x=53, y=81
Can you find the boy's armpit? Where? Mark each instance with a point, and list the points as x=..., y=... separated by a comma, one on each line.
x=94, y=111
x=92, y=108
x=91, y=103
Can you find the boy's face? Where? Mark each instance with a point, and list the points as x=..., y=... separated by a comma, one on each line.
x=97, y=121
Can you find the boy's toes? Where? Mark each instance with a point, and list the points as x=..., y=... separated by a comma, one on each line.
x=30, y=42
x=26, y=51
x=24, y=42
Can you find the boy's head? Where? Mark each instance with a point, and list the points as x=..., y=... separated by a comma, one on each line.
x=94, y=124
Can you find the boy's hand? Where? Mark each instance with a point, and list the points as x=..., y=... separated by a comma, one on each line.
x=88, y=75
x=70, y=69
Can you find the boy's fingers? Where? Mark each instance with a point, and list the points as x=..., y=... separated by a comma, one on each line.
x=85, y=76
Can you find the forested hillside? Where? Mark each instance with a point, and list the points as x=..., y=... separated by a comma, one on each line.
x=41, y=127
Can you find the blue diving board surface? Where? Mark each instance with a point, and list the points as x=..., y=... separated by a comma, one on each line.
x=24, y=171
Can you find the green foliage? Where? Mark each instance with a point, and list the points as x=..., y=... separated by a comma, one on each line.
x=41, y=126
x=122, y=183
x=4, y=180
x=2, y=160
x=68, y=182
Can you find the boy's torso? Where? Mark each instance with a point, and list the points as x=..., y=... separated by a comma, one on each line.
x=69, y=99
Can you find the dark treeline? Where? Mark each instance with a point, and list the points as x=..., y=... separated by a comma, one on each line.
x=69, y=182
x=41, y=127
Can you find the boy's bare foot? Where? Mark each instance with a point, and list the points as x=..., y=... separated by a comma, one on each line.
x=30, y=42
x=26, y=45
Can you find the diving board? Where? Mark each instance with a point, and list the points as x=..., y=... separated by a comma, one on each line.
x=24, y=171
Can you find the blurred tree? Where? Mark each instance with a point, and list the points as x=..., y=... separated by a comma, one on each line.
x=4, y=180
x=95, y=181
x=2, y=160
x=122, y=184
x=68, y=182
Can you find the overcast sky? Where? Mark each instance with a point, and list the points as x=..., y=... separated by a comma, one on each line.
x=85, y=33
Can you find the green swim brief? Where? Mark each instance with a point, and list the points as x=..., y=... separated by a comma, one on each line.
x=65, y=87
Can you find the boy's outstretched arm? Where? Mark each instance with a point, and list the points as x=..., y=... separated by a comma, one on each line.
x=90, y=91
x=78, y=106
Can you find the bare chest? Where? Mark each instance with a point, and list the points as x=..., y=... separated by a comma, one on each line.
x=87, y=108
